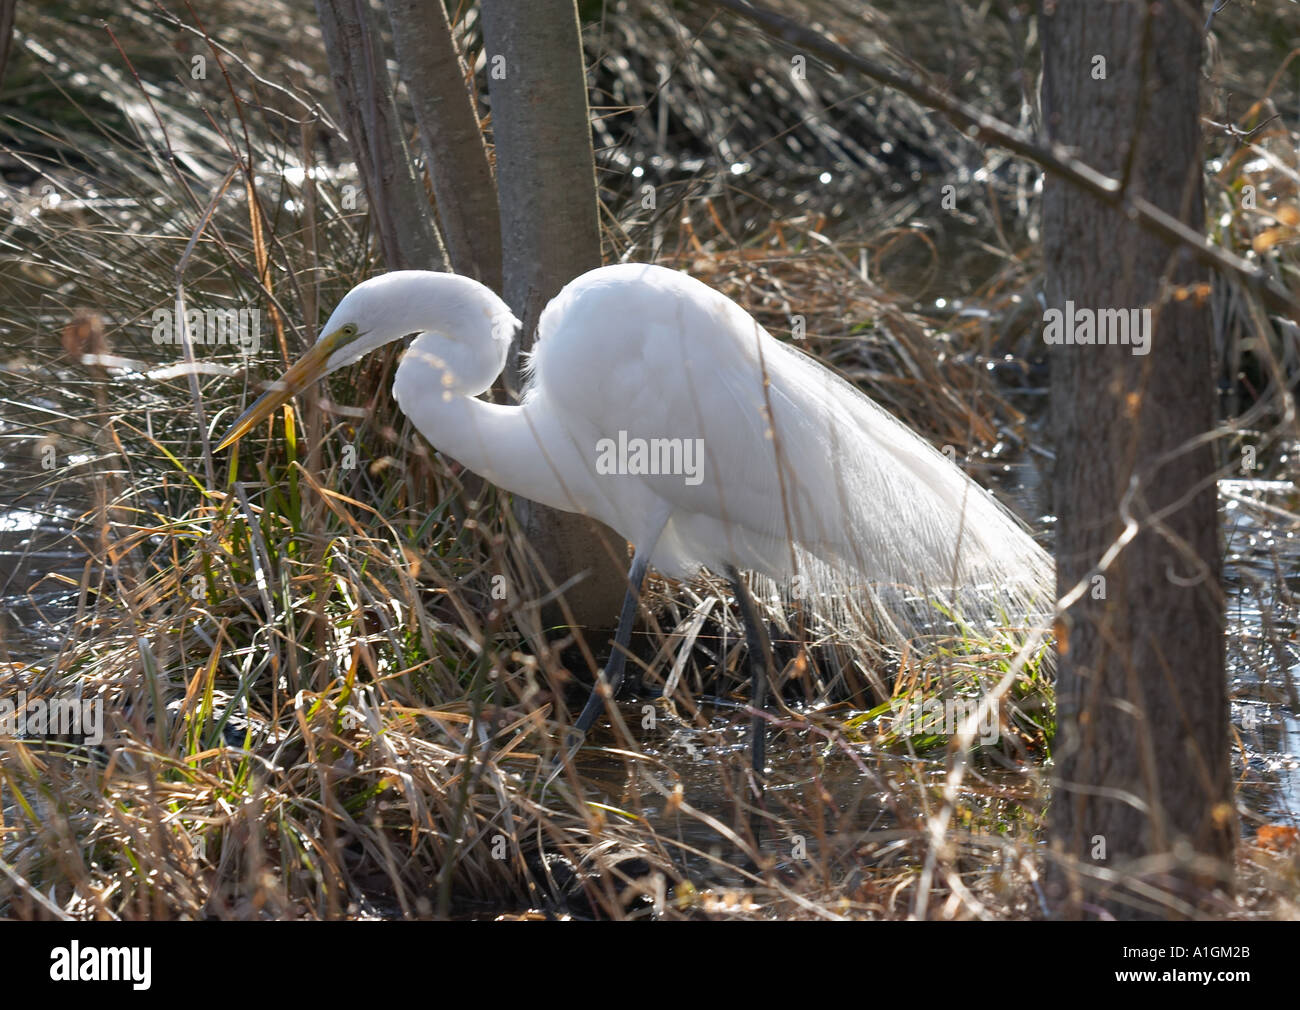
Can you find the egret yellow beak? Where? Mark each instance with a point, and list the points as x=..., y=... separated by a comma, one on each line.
x=301, y=374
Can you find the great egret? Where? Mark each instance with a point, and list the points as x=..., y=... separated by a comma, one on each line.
x=663, y=409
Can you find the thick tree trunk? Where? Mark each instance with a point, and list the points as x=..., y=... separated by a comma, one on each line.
x=438, y=84
x=399, y=208
x=550, y=233
x=1142, y=747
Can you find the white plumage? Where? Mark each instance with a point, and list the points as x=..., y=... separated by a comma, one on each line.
x=800, y=469
x=799, y=473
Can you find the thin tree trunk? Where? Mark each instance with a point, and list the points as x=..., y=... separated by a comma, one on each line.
x=550, y=233
x=8, y=8
x=399, y=208
x=1142, y=747
x=437, y=82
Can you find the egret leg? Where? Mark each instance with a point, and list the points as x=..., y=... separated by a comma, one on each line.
x=759, y=648
x=613, y=672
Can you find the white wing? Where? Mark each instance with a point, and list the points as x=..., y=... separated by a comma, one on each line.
x=801, y=472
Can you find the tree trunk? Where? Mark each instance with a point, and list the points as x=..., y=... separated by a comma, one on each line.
x=550, y=233
x=438, y=83
x=7, y=10
x=1142, y=747
x=399, y=208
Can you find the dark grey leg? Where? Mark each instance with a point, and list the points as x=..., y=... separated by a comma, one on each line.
x=760, y=652
x=613, y=672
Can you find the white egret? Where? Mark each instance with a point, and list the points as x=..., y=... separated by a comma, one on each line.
x=663, y=409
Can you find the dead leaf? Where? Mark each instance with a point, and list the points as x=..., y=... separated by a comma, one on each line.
x=1277, y=837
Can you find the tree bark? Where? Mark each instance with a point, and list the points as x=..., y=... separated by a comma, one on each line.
x=550, y=233
x=438, y=83
x=399, y=208
x=1142, y=767
x=8, y=8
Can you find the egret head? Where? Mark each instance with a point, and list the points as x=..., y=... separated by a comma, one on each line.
x=471, y=326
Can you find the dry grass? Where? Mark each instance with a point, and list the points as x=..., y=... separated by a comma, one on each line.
x=316, y=706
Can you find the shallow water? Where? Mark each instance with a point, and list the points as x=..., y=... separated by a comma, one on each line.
x=1261, y=575
x=36, y=548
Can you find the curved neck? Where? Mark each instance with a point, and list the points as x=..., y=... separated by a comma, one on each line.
x=517, y=448
x=465, y=334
